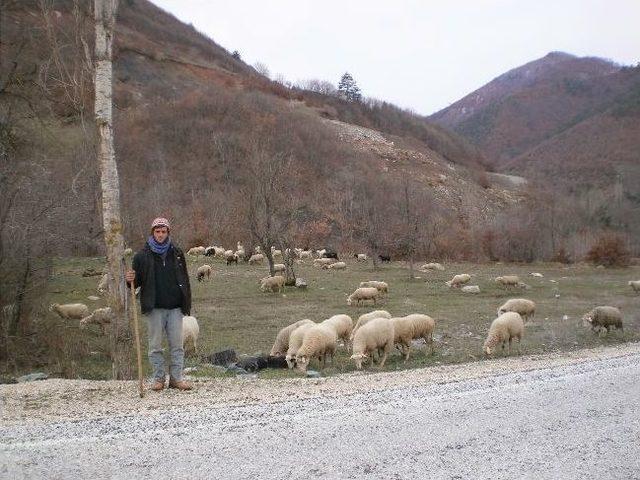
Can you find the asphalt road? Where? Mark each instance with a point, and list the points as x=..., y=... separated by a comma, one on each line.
x=580, y=421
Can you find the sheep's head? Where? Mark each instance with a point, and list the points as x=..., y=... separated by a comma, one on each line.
x=358, y=358
x=498, y=279
x=349, y=300
x=53, y=307
x=587, y=319
x=501, y=311
x=291, y=361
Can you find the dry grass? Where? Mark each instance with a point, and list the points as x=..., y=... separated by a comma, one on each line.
x=233, y=313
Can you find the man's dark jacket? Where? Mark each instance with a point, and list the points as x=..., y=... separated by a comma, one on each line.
x=143, y=264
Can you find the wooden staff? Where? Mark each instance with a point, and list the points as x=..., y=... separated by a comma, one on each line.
x=136, y=332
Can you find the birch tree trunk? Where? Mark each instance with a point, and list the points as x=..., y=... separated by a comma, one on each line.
x=105, y=16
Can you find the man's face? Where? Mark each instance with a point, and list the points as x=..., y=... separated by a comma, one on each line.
x=160, y=234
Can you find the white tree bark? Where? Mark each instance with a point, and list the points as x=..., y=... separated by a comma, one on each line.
x=105, y=15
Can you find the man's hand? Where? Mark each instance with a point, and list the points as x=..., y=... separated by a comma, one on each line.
x=130, y=276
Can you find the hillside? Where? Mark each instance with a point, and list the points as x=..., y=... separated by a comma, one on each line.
x=543, y=116
x=191, y=121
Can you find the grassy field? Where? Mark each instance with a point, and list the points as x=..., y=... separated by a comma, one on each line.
x=233, y=313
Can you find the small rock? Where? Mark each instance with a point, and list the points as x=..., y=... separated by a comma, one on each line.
x=190, y=369
x=91, y=272
x=313, y=374
x=301, y=283
x=237, y=370
x=565, y=317
x=32, y=377
x=93, y=298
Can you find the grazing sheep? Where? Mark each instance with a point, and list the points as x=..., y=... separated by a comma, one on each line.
x=375, y=336
x=103, y=285
x=278, y=267
x=635, y=285
x=383, y=287
x=74, y=311
x=508, y=280
x=196, y=251
x=100, y=316
x=295, y=341
x=319, y=262
x=335, y=266
x=342, y=324
x=360, y=257
x=256, y=258
x=281, y=344
x=604, y=317
x=385, y=258
x=219, y=251
x=366, y=318
x=536, y=274
x=233, y=258
x=204, y=270
x=209, y=251
x=305, y=254
x=458, y=280
x=411, y=327
x=504, y=329
x=319, y=341
x=470, y=289
x=272, y=284
x=363, y=294
x=526, y=308
x=190, y=332
x=432, y=266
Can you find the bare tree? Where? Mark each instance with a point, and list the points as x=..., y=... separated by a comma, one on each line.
x=105, y=16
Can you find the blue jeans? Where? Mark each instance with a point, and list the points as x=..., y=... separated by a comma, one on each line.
x=161, y=320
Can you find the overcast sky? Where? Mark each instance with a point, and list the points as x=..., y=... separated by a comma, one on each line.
x=418, y=54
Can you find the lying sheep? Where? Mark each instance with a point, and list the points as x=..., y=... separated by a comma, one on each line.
x=366, y=318
x=204, y=270
x=272, y=284
x=256, y=258
x=295, y=342
x=279, y=267
x=375, y=336
x=635, y=285
x=508, y=280
x=432, y=266
x=190, y=332
x=335, y=266
x=319, y=262
x=526, y=308
x=363, y=294
x=342, y=325
x=536, y=274
x=604, y=317
x=411, y=327
x=281, y=344
x=196, y=251
x=470, y=289
x=319, y=342
x=504, y=329
x=360, y=257
x=382, y=287
x=458, y=280
x=100, y=316
x=74, y=311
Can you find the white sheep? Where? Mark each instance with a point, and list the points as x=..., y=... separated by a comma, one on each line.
x=305, y=254
x=319, y=341
x=100, y=316
x=342, y=324
x=503, y=330
x=272, y=284
x=190, y=333
x=432, y=266
x=281, y=342
x=295, y=342
x=635, y=285
x=458, y=280
x=536, y=274
x=229, y=254
x=366, y=318
x=470, y=289
x=196, y=251
x=256, y=258
x=382, y=287
x=604, y=317
x=276, y=253
x=363, y=294
x=319, y=262
x=411, y=327
x=74, y=311
x=525, y=307
x=375, y=336
x=508, y=281
x=219, y=251
x=361, y=257
x=204, y=270
x=335, y=266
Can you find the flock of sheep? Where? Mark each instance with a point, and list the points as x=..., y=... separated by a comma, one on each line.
x=373, y=334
